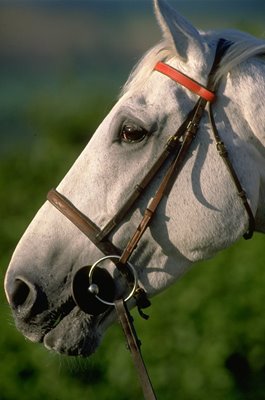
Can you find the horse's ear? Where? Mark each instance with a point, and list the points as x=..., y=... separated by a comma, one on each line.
x=180, y=34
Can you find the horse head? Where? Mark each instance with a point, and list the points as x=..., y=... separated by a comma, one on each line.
x=200, y=215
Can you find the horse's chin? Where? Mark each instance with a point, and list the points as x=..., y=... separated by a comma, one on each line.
x=78, y=334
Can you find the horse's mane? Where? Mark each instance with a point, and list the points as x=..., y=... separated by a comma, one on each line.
x=244, y=46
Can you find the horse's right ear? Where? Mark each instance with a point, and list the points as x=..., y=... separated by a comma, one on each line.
x=178, y=32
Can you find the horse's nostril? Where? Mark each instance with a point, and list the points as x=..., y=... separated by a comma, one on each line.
x=25, y=298
x=21, y=293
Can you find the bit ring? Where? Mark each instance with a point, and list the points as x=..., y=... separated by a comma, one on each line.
x=90, y=276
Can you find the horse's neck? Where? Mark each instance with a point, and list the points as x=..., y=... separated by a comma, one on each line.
x=252, y=100
x=251, y=97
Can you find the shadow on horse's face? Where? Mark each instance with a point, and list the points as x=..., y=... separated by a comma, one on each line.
x=200, y=214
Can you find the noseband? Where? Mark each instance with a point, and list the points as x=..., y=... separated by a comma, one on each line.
x=176, y=150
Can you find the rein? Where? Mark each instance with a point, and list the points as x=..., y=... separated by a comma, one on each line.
x=175, y=149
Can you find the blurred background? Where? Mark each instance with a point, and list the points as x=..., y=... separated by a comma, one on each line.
x=62, y=64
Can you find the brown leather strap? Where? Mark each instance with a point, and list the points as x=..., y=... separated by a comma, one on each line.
x=222, y=47
x=167, y=181
x=222, y=150
x=172, y=147
x=82, y=222
x=134, y=343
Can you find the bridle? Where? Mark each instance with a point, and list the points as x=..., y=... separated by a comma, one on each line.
x=176, y=150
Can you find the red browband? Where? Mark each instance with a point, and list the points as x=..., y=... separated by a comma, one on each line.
x=185, y=81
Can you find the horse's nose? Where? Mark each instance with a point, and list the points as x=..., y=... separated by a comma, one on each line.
x=25, y=298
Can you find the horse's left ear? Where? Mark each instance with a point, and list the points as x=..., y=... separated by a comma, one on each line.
x=180, y=34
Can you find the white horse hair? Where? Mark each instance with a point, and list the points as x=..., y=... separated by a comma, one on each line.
x=201, y=215
x=243, y=47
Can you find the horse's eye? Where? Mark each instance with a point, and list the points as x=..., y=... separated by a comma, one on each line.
x=132, y=133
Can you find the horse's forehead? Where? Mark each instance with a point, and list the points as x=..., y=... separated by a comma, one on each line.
x=154, y=88
x=157, y=98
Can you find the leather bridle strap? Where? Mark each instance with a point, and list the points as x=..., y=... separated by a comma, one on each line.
x=172, y=172
x=82, y=222
x=223, y=45
x=172, y=147
x=134, y=345
x=185, y=81
x=222, y=150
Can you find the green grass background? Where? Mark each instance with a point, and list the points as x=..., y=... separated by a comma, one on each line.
x=206, y=335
